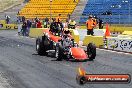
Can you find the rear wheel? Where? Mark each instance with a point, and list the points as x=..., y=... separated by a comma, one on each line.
x=40, y=48
x=91, y=51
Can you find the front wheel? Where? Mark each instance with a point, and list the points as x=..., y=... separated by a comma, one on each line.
x=91, y=51
x=59, y=52
x=40, y=48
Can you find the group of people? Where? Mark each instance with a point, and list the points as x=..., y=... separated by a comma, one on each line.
x=92, y=23
x=56, y=26
x=24, y=29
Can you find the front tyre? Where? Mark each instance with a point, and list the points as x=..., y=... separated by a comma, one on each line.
x=40, y=48
x=59, y=52
x=91, y=51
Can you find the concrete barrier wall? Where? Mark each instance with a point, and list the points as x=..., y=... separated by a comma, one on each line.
x=10, y=26
x=99, y=32
x=127, y=33
x=2, y=24
x=97, y=40
x=36, y=32
x=120, y=29
x=75, y=35
x=120, y=44
x=7, y=26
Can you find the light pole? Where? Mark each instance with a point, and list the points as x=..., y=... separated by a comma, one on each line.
x=129, y=8
x=129, y=14
x=119, y=6
x=50, y=10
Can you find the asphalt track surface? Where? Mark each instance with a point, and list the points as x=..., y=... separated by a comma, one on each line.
x=21, y=67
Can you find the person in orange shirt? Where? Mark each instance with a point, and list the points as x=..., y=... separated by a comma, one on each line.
x=58, y=20
x=95, y=21
x=90, y=25
x=59, y=23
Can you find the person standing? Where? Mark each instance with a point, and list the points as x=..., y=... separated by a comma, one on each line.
x=47, y=20
x=24, y=28
x=72, y=24
x=19, y=26
x=36, y=19
x=58, y=19
x=95, y=21
x=33, y=23
x=90, y=25
x=38, y=24
x=59, y=22
x=23, y=19
x=69, y=16
x=7, y=19
x=100, y=23
x=29, y=24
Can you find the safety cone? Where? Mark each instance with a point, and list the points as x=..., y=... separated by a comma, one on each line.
x=107, y=33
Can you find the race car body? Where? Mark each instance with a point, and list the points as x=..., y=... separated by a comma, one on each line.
x=63, y=47
x=51, y=36
x=78, y=53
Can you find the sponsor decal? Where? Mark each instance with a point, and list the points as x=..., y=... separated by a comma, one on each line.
x=83, y=78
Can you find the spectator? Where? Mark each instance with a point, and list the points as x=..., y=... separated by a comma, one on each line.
x=18, y=19
x=38, y=24
x=67, y=20
x=90, y=25
x=69, y=16
x=47, y=20
x=100, y=23
x=58, y=19
x=95, y=21
x=23, y=19
x=29, y=24
x=53, y=26
x=19, y=25
x=24, y=29
x=72, y=24
x=45, y=24
x=7, y=19
x=19, y=29
x=33, y=23
x=36, y=19
x=59, y=22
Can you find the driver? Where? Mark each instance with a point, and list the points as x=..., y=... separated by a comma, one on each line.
x=67, y=32
x=66, y=38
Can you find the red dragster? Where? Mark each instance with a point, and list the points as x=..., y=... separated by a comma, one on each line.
x=63, y=47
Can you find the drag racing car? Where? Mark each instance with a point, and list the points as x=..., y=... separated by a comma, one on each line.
x=63, y=47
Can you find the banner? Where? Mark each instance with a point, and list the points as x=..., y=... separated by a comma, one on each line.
x=121, y=44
